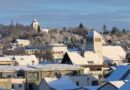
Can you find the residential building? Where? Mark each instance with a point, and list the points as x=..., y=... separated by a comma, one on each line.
x=29, y=77
x=57, y=50
x=19, y=60
x=22, y=42
x=31, y=50
x=114, y=55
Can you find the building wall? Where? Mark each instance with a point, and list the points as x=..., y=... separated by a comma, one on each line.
x=98, y=46
x=94, y=43
x=83, y=80
x=19, y=86
x=7, y=62
x=5, y=84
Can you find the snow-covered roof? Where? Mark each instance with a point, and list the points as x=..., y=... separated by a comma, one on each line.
x=118, y=73
x=15, y=68
x=117, y=84
x=47, y=67
x=89, y=56
x=113, y=53
x=126, y=86
x=93, y=33
x=22, y=40
x=63, y=84
x=24, y=59
x=76, y=58
x=5, y=59
x=52, y=67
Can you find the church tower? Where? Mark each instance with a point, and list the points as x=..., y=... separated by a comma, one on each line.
x=35, y=25
x=94, y=43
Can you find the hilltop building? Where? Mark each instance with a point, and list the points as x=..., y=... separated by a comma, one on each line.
x=35, y=25
x=21, y=42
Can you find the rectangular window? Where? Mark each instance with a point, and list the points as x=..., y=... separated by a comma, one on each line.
x=90, y=62
x=97, y=39
x=32, y=76
x=94, y=83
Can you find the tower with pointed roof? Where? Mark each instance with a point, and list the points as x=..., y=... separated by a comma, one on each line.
x=35, y=25
x=94, y=43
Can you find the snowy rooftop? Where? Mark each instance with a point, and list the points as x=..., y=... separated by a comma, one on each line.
x=126, y=86
x=89, y=56
x=118, y=73
x=47, y=67
x=21, y=60
x=22, y=40
x=118, y=84
x=63, y=84
x=113, y=53
x=94, y=33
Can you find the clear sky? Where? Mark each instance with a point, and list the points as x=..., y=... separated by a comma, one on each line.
x=68, y=13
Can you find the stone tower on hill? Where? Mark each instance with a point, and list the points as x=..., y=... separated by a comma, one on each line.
x=36, y=26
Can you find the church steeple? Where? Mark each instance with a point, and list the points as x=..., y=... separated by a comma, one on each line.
x=94, y=43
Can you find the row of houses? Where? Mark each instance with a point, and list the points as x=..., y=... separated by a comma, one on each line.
x=29, y=77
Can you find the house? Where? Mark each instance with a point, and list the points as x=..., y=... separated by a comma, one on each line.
x=114, y=54
x=57, y=51
x=90, y=62
x=22, y=42
x=19, y=60
x=64, y=83
x=31, y=50
x=45, y=30
x=112, y=85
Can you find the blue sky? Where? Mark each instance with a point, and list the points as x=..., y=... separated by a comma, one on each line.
x=67, y=13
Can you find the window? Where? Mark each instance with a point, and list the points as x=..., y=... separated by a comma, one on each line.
x=33, y=76
x=20, y=85
x=97, y=39
x=77, y=83
x=95, y=69
x=21, y=58
x=90, y=62
x=12, y=86
x=94, y=83
x=46, y=74
x=90, y=39
x=99, y=69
